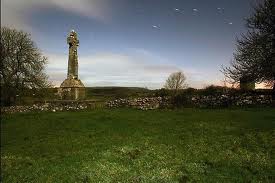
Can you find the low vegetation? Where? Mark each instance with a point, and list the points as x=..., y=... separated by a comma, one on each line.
x=92, y=93
x=22, y=65
x=125, y=145
x=105, y=93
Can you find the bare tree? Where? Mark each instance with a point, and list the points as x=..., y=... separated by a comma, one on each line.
x=176, y=81
x=21, y=65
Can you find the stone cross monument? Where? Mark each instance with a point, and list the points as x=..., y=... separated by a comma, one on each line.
x=73, y=43
x=72, y=88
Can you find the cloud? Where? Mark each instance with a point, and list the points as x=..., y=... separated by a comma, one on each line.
x=98, y=9
x=112, y=69
x=15, y=13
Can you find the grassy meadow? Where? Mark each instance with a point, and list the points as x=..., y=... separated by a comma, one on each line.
x=127, y=145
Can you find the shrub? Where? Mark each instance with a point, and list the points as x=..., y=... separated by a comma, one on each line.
x=212, y=90
x=163, y=92
x=190, y=91
x=182, y=99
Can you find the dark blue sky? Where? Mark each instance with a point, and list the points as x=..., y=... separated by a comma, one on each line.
x=135, y=42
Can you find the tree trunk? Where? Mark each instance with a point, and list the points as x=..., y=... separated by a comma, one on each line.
x=8, y=96
x=273, y=62
x=6, y=101
x=273, y=93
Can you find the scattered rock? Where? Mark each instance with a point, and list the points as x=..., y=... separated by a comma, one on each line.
x=51, y=107
x=139, y=103
x=146, y=103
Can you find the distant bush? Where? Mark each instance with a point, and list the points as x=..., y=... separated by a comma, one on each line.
x=184, y=98
x=218, y=96
x=31, y=96
x=212, y=90
x=181, y=100
x=106, y=93
x=190, y=91
x=163, y=92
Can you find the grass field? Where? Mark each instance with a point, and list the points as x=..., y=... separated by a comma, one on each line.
x=125, y=145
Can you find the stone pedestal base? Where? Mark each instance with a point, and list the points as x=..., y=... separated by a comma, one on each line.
x=72, y=89
x=72, y=93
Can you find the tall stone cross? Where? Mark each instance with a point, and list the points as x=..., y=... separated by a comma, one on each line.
x=72, y=88
x=73, y=58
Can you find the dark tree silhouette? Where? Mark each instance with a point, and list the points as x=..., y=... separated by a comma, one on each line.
x=255, y=54
x=21, y=65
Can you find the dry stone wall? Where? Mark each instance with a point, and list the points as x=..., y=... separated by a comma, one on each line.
x=140, y=103
x=53, y=107
x=231, y=100
x=193, y=101
x=147, y=103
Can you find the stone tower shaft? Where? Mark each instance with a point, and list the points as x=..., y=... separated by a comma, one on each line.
x=73, y=43
x=72, y=88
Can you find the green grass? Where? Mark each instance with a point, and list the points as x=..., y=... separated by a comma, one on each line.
x=125, y=145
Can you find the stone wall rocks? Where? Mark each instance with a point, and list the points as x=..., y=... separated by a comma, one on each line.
x=52, y=107
x=231, y=100
x=139, y=103
x=199, y=101
x=147, y=103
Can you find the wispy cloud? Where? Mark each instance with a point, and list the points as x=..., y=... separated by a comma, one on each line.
x=110, y=69
x=16, y=13
x=134, y=67
x=98, y=9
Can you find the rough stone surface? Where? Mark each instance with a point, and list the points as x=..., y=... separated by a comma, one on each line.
x=54, y=107
x=140, y=103
x=72, y=88
x=72, y=93
x=195, y=101
x=228, y=100
x=144, y=103
x=72, y=83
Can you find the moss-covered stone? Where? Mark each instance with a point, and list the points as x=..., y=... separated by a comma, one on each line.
x=72, y=88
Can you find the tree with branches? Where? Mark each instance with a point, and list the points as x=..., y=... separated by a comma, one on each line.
x=176, y=82
x=254, y=58
x=22, y=65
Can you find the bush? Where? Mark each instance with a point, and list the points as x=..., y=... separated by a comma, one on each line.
x=213, y=90
x=182, y=99
x=163, y=92
x=190, y=91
